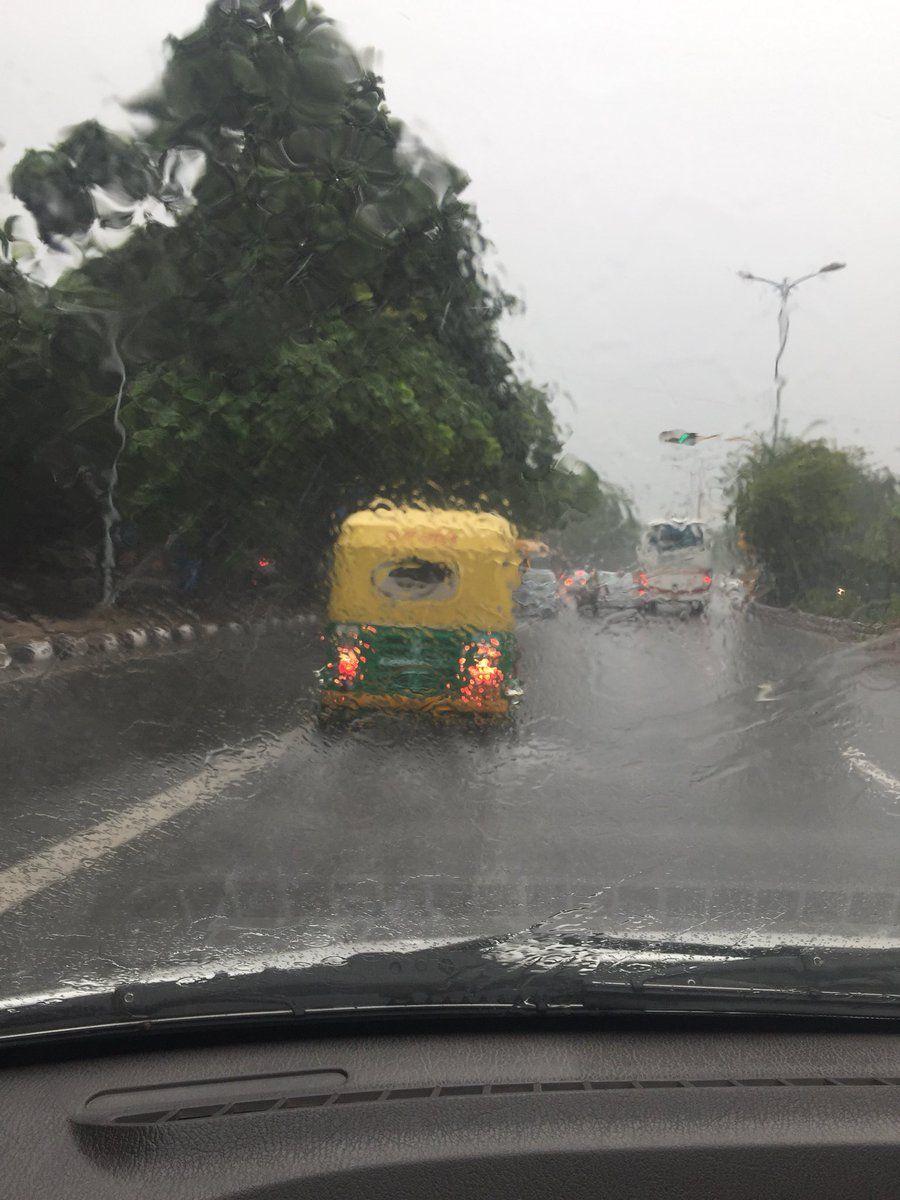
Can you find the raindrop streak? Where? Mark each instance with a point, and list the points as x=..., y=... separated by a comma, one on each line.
x=111, y=514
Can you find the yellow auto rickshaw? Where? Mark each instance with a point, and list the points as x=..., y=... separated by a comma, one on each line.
x=420, y=615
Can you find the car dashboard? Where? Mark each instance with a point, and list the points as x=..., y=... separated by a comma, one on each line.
x=614, y=1108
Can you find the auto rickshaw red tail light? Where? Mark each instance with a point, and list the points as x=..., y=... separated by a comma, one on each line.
x=484, y=677
x=348, y=659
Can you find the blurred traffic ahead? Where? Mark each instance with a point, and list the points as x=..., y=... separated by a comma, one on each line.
x=424, y=605
x=673, y=573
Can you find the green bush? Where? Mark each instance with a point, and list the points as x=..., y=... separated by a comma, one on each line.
x=822, y=524
x=831, y=603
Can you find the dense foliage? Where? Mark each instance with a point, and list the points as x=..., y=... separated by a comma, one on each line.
x=301, y=315
x=824, y=525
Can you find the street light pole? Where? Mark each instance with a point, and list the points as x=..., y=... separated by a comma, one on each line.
x=700, y=482
x=784, y=289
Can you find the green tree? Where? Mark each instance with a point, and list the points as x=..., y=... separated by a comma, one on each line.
x=823, y=523
x=304, y=323
x=54, y=379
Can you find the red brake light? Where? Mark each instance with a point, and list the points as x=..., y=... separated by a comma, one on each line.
x=347, y=663
x=707, y=579
x=264, y=562
x=483, y=675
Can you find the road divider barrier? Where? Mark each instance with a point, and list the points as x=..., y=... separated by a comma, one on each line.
x=841, y=628
x=105, y=643
x=34, y=651
x=135, y=639
x=66, y=646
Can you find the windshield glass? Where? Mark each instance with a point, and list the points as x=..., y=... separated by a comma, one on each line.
x=450, y=480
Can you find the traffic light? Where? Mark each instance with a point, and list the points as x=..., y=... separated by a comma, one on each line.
x=681, y=437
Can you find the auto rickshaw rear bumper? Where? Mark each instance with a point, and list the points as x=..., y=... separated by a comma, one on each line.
x=334, y=701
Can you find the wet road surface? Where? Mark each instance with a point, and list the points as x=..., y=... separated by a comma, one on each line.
x=723, y=777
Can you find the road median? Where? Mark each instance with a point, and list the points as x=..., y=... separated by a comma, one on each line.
x=99, y=636
x=841, y=628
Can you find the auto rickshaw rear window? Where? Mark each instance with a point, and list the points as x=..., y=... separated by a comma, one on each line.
x=416, y=579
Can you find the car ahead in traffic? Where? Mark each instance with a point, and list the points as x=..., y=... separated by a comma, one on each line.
x=608, y=590
x=675, y=566
x=537, y=595
x=621, y=589
x=573, y=582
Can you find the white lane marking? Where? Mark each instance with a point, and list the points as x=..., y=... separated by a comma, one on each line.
x=871, y=770
x=31, y=875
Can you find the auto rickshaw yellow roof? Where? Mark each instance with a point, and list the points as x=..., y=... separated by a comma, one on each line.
x=481, y=547
x=427, y=527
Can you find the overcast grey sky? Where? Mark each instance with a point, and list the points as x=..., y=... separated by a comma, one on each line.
x=627, y=160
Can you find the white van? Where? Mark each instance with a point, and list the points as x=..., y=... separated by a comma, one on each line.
x=675, y=565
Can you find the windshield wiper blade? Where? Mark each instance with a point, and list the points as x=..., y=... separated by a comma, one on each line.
x=480, y=977
x=812, y=970
x=666, y=964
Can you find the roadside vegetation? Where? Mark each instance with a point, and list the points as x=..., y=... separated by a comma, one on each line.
x=823, y=526
x=277, y=310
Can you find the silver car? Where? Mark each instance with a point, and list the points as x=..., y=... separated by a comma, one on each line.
x=619, y=589
x=538, y=594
